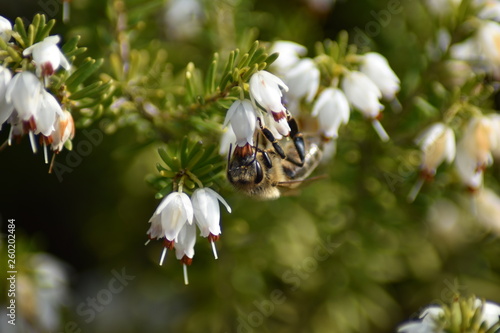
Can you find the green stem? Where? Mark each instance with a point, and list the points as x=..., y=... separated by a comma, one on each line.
x=194, y=178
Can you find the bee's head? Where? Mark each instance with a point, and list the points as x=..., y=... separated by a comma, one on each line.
x=244, y=169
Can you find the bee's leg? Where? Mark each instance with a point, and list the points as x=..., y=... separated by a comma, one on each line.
x=266, y=158
x=298, y=140
x=269, y=136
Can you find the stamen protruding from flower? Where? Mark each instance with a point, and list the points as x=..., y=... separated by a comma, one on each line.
x=45, y=153
x=473, y=204
x=415, y=189
x=32, y=141
x=52, y=160
x=65, y=16
x=380, y=130
x=214, y=250
x=396, y=105
x=147, y=242
x=11, y=133
x=163, y=254
x=185, y=271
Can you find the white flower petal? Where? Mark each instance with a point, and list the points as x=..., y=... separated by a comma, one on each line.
x=47, y=56
x=377, y=68
x=303, y=80
x=332, y=110
x=187, y=206
x=24, y=91
x=265, y=89
x=362, y=93
x=221, y=199
x=185, y=241
x=6, y=108
x=46, y=116
x=174, y=212
x=242, y=117
x=289, y=53
x=5, y=29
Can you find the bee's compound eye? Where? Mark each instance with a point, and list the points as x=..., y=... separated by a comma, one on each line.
x=258, y=173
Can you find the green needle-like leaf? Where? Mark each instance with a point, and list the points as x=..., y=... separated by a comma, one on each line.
x=82, y=73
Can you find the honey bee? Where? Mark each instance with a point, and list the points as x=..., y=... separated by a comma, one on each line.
x=262, y=172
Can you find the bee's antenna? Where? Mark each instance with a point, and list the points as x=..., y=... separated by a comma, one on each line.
x=256, y=148
x=229, y=154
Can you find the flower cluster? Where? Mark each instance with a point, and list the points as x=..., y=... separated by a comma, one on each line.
x=361, y=88
x=481, y=50
x=273, y=97
x=266, y=94
x=472, y=154
x=473, y=315
x=26, y=104
x=173, y=222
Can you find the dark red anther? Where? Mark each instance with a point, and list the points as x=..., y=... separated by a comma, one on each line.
x=29, y=125
x=379, y=116
x=186, y=260
x=427, y=175
x=47, y=69
x=46, y=139
x=472, y=190
x=213, y=238
x=480, y=168
x=169, y=244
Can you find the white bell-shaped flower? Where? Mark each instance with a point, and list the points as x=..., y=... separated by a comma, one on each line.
x=487, y=38
x=488, y=211
x=332, y=110
x=47, y=56
x=184, y=18
x=362, y=93
x=25, y=93
x=479, y=140
x=302, y=80
x=5, y=107
x=241, y=116
x=490, y=10
x=377, y=68
x=265, y=90
x=184, y=247
x=491, y=311
x=174, y=211
x=46, y=115
x=437, y=143
x=184, y=243
x=426, y=324
x=466, y=50
x=207, y=213
x=5, y=29
x=467, y=168
x=64, y=131
x=289, y=55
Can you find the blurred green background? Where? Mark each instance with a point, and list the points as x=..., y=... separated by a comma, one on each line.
x=346, y=254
